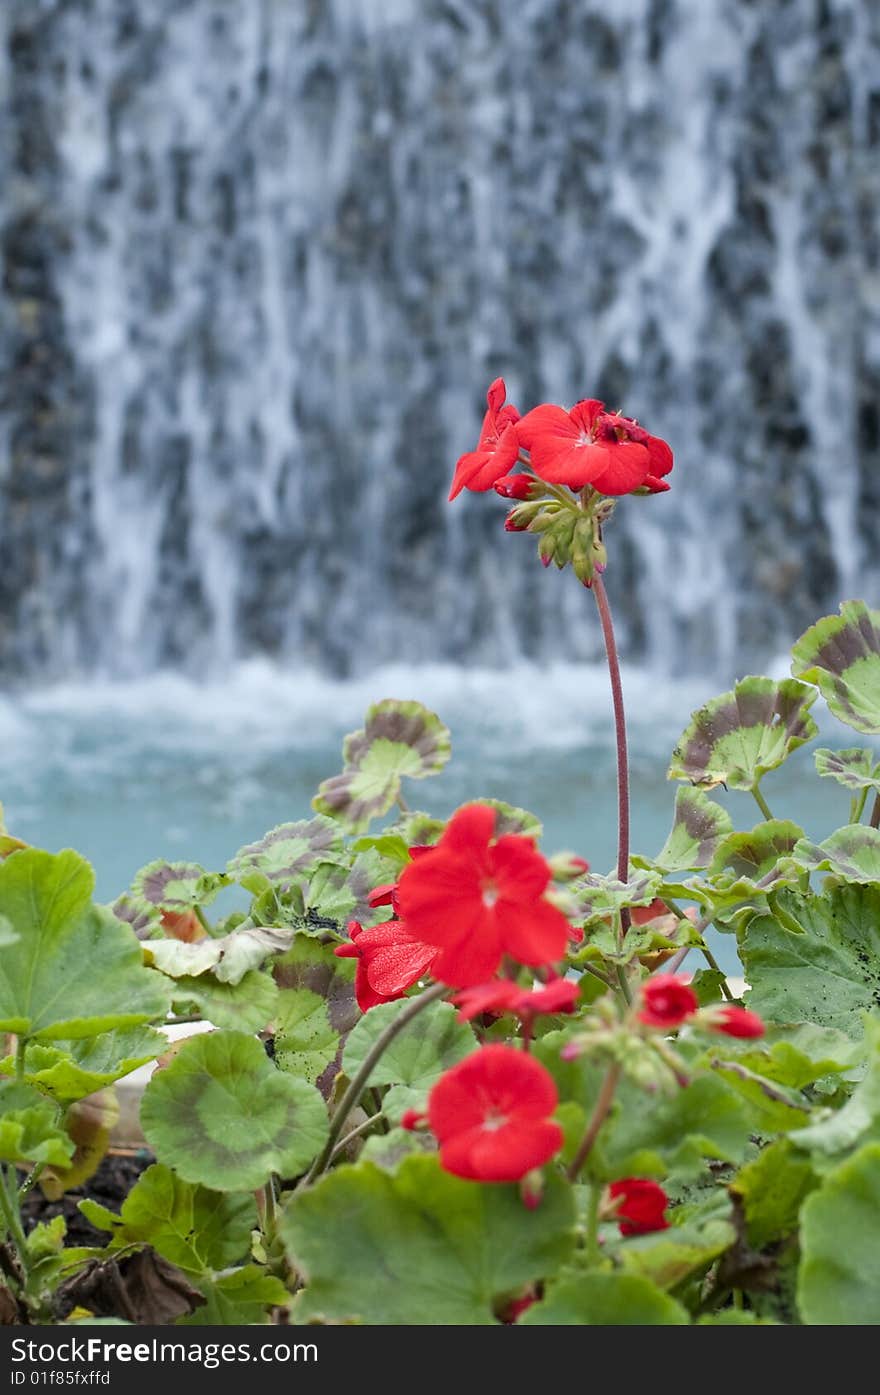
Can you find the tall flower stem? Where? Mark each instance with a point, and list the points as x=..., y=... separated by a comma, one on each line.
x=600, y=1114
x=620, y=734
x=622, y=761
x=361, y=1079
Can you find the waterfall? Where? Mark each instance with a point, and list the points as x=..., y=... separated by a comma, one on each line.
x=261, y=259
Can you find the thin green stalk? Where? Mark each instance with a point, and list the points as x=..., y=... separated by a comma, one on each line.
x=591, y=1239
x=875, y=811
x=20, y=1049
x=12, y=1216
x=607, y=624
x=361, y=1079
x=203, y=921
x=761, y=801
x=30, y=1181
x=597, y=1119
x=354, y=1133
x=857, y=805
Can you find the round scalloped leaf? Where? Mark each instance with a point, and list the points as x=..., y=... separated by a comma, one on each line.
x=176, y=886
x=839, y=1276
x=338, y=892
x=75, y=970
x=30, y=1127
x=750, y=857
x=852, y=854
x=196, y=1229
x=698, y=826
x=737, y=737
x=668, y=1257
x=70, y=1070
x=773, y=1187
x=305, y=1040
x=397, y=1249
x=605, y=1300
x=841, y=655
x=417, y=1058
x=829, y=973
x=398, y=738
x=856, y=767
x=289, y=851
x=838, y=1134
x=594, y=897
x=242, y=1298
x=142, y=918
x=247, y=1005
x=223, y=1116
x=309, y=964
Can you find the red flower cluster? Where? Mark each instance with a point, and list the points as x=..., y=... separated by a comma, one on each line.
x=667, y=1001
x=475, y=898
x=491, y=1116
x=638, y=1205
x=501, y=995
x=389, y=959
x=586, y=446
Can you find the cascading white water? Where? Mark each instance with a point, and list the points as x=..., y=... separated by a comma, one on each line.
x=262, y=258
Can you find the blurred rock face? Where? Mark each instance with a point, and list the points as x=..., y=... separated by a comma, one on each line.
x=261, y=259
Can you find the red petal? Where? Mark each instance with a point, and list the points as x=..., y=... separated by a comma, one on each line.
x=498, y=995
x=533, y=934
x=496, y=395
x=470, y=959
x=626, y=466
x=585, y=412
x=469, y=830
x=366, y=995
x=393, y=970
x=519, y=872
x=660, y=454
x=501, y=1155
x=567, y=462
x=655, y=486
x=546, y=421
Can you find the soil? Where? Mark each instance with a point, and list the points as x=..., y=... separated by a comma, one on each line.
x=110, y=1185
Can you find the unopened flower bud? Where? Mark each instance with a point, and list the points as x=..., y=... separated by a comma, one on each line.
x=515, y=486
x=567, y=866
x=531, y=1188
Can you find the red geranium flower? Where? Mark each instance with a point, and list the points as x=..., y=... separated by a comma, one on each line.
x=478, y=898
x=491, y=1116
x=733, y=1021
x=667, y=1001
x=497, y=450
x=389, y=961
x=591, y=446
x=641, y=1205
x=501, y=995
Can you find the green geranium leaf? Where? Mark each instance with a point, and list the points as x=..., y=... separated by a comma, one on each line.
x=398, y=738
x=773, y=1188
x=247, y=1005
x=829, y=973
x=750, y=857
x=841, y=655
x=341, y=893
x=510, y=819
x=698, y=826
x=176, y=886
x=30, y=1127
x=704, y=1120
x=75, y=970
x=856, y=768
x=223, y=1116
x=737, y=737
x=306, y=1043
x=242, y=1298
x=419, y=1244
x=389, y=1149
x=418, y=829
x=843, y=1130
x=604, y=1300
x=668, y=1257
x=228, y=958
x=839, y=1277
x=311, y=965
x=7, y=934
x=594, y=897
x=852, y=854
x=196, y=1229
x=142, y=919
x=416, y=1058
x=289, y=851
x=71, y=1070
x=392, y=847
